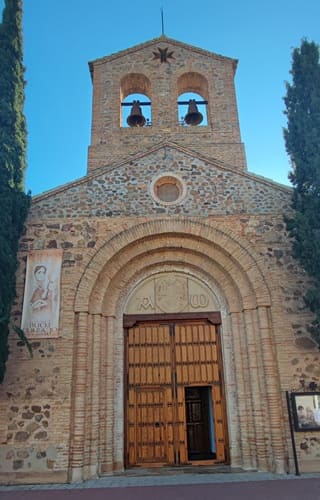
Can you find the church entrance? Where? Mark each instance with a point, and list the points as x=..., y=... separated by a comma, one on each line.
x=175, y=407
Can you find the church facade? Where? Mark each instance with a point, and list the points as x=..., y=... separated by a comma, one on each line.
x=159, y=292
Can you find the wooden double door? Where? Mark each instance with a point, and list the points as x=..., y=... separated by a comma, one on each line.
x=175, y=412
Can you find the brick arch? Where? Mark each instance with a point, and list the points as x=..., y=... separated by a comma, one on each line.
x=134, y=83
x=114, y=298
x=193, y=82
x=218, y=249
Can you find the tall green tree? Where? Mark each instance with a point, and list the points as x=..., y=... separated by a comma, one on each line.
x=302, y=140
x=14, y=202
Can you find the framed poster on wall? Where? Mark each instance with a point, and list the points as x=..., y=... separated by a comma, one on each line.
x=306, y=411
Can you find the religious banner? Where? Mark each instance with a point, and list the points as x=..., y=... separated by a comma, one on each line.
x=41, y=304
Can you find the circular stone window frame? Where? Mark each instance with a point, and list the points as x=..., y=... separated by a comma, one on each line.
x=173, y=178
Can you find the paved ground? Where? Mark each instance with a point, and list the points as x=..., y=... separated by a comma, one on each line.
x=193, y=486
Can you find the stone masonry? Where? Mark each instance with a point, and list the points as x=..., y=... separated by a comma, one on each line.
x=208, y=74
x=62, y=412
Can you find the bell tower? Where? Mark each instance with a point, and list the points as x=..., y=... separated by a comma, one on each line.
x=164, y=91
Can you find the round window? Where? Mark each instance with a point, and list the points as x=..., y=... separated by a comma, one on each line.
x=168, y=189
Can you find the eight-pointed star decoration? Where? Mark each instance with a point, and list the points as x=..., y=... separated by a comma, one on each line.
x=163, y=55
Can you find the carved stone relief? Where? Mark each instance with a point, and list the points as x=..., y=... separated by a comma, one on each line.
x=171, y=293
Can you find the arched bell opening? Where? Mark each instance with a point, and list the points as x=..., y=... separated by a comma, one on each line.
x=136, y=111
x=192, y=110
x=192, y=100
x=135, y=101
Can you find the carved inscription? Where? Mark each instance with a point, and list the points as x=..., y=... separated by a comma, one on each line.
x=195, y=301
x=199, y=301
x=145, y=303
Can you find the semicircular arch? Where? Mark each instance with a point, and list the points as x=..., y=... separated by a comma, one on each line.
x=134, y=83
x=215, y=249
x=193, y=82
x=115, y=297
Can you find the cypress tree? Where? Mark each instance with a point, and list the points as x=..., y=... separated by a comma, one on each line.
x=14, y=202
x=302, y=141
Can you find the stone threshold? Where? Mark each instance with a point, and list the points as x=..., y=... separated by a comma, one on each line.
x=177, y=470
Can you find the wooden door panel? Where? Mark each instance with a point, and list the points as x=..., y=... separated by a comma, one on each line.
x=147, y=426
x=219, y=423
x=162, y=360
x=197, y=363
x=180, y=427
x=196, y=354
x=151, y=426
x=149, y=394
x=149, y=355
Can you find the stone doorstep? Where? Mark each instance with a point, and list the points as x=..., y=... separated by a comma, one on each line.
x=177, y=470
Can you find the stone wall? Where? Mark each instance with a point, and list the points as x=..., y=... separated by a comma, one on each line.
x=62, y=411
x=36, y=398
x=125, y=190
x=35, y=401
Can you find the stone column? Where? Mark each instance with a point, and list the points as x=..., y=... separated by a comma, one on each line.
x=103, y=452
x=95, y=392
x=88, y=405
x=242, y=389
x=256, y=417
x=261, y=415
x=272, y=388
x=79, y=397
x=118, y=402
x=107, y=426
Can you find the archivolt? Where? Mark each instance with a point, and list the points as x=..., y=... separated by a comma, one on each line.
x=136, y=252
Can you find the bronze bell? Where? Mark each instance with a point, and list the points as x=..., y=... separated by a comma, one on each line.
x=193, y=117
x=136, y=118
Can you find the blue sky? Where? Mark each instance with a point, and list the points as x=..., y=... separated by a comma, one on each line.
x=61, y=36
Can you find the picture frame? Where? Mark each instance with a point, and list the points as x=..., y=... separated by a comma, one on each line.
x=306, y=411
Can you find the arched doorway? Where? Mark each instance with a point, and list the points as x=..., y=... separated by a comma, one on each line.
x=210, y=256
x=175, y=410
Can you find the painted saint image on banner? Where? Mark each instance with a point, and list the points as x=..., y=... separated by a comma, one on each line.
x=40, y=317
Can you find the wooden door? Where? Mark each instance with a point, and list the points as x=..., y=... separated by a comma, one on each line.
x=163, y=361
x=149, y=406
x=198, y=363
